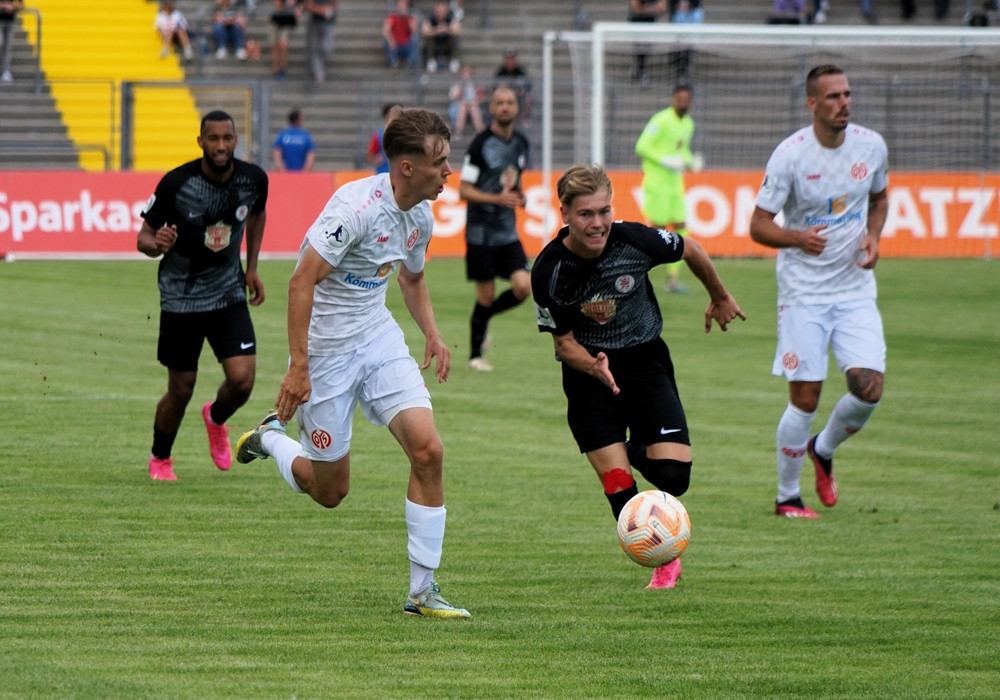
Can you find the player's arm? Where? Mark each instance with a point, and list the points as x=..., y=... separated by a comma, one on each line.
x=722, y=306
x=296, y=387
x=255, y=237
x=417, y=298
x=656, y=144
x=577, y=357
x=155, y=243
x=878, y=209
x=765, y=230
x=507, y=198
x=279, y=163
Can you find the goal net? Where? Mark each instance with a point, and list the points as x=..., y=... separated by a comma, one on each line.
x=928, y=91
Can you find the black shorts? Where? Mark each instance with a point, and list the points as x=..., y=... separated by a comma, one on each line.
x=647, y=409
x=229, y=331
x=483, y=262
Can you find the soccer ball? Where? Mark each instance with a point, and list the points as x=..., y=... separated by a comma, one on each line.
x=654, y=528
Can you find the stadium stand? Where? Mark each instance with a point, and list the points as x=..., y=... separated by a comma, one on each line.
x=80, y=82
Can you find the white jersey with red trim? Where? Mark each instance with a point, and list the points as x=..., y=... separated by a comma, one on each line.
x=813, y=185
x=365, y=236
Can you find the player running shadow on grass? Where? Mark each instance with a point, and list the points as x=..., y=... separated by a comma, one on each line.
x=592, y=293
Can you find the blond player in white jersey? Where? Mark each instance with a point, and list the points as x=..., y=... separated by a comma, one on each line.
x=829, y=180
x=346, y=349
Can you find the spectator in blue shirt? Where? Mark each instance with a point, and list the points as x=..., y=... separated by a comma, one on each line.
x=293, y=149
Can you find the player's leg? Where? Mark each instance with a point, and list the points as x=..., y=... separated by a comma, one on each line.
x=178, y=349
x=231, y=335
x=599, y=429
x=801, y=358
x=479, y=268
x=393, y=393
x=510, y=262
x=659, y=445
x=673, y=210
x=673, y=284
x=858, y=343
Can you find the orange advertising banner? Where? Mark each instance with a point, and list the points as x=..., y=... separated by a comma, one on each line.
x=96, y=215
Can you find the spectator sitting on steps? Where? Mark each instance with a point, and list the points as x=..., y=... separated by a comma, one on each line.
x=172, y=28
x=440, y=32
x=228, y=26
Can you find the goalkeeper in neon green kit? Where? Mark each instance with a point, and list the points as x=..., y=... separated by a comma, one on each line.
x=665, y=149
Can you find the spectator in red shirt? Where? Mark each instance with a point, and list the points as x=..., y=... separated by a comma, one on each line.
x=399, y=36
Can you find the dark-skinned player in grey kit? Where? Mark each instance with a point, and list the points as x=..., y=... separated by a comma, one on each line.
x=197, y=219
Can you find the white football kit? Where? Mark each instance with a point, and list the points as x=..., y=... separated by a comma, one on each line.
x=357, y=352
x=813, y=185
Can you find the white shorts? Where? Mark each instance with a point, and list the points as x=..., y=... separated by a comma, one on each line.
x=381, y=376
x=852, y=329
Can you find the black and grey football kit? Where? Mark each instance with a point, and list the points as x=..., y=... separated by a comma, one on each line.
x=201, y=278
x=608, y=304
x=203, y=272
x=493, y=248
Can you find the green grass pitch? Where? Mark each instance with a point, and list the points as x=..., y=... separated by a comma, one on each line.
x=230, y=585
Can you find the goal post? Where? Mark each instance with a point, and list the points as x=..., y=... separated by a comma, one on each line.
x=928, y=91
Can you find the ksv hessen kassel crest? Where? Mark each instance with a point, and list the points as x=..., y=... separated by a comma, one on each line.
x=600, y=310
x=218, y=235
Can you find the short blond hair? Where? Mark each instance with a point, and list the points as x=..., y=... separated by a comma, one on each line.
x=581, y=180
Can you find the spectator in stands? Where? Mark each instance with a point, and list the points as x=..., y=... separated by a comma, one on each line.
x=820, y=10
x=458, y=9
x=375, y=156
x=644, y=11
x=399, y=36
x=466, y=97
x=293, y=150
x=440, y=31
x=320, y=38
x=512, y=74
x=172, y=28
x=284, y=18
x=788, y=12
x=909, y=8
x=8, y=10
x=228, y=29
x=684, y=12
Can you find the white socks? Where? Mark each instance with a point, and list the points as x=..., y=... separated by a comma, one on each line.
x=284, y=450
x=791, y=437
x=848, y=417
x=425, y=536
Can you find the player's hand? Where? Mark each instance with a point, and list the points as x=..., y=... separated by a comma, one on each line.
x=294, y=391
x=869, y=253
x=511, y=199
x=724, y=311
x=602, y=372
x=697, y=163
x=812, y=242
x=435, y=348
x=255, y=288
x=165, y=237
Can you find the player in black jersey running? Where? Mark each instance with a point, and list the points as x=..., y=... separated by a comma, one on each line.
x=491, y=184
x=592, y=293
x=196, y=220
